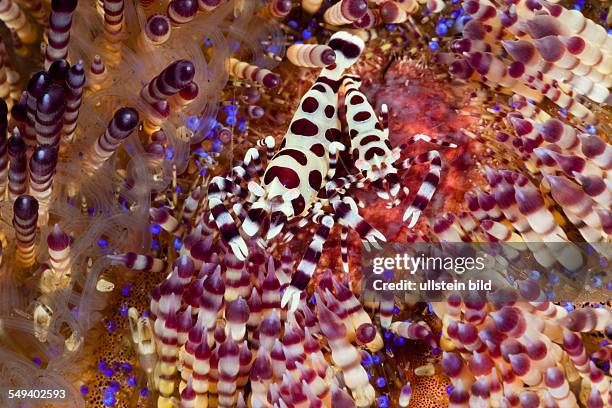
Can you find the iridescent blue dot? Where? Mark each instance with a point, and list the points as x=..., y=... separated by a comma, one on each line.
x=154, y=244
x=102, y=243
x=433, y=45
x=178, y=243
x=449, y=389
x=108, y=372
x=592, y=129
x=84, y=389
x=131, y=381
x=569, y=306
x=37, y=361
x=193, y=123
x=553, y=279
x=441, y=29
x=306, y=34
x=108, y=399
x=113, y=386
x=123, y=311
x=609, y=285
x=127, y=367
x=155, y=229
x=399, y=341
x=534, y=275
x=383, y=401
x=550, y=295
x=125, y=290
x=144, y=392
x=603, y=262
x=376, y=359
x=597, y=282
x=366, y=359
x=577, y=7
x=388, y=335
x=293, y=24
x=381, y=382
x=102, y=365
x=111, y=326
x=242, y=126
x=395, y=310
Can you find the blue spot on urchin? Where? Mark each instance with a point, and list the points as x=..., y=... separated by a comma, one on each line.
x=155, y=229
x=178, y=244
x=108, y=399
x=113, y=386
x=111, y=326
x=597, y=282
x=534, y=275
x=193, y=123
x=132, y=381
x=553, y=279
x=123, y=311
x=441, y=29
x=381, y=382
x=84, y=389
x=383, y=401
x=366, y=359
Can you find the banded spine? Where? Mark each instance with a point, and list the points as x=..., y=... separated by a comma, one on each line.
x=311, y=55
x=16, y=148
x=25, y=218
x=60, y=22
x=123, y=123
x=42, y=169
x=243, y=70
x=74, y=97
x=4, y=156
x=345, y=12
